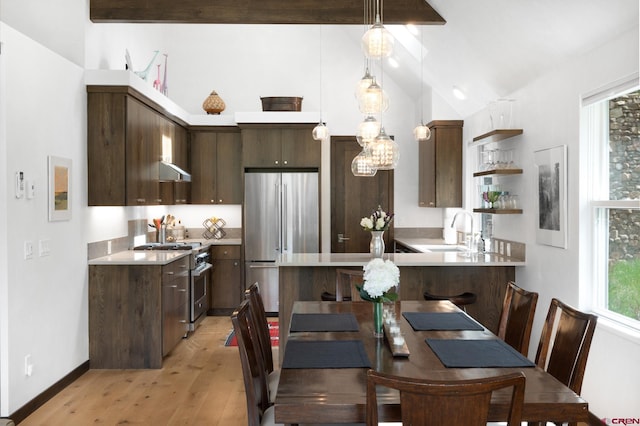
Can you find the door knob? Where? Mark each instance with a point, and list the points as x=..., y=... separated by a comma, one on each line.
x=342, y=238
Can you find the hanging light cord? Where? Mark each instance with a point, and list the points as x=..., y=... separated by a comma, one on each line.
x=421, y=75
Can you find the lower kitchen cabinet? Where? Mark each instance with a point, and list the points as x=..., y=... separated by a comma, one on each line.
x=137, y=313
x=227, y=285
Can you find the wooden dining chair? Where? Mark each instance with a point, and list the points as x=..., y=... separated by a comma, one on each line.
x=259, y=321
x=516, y=320
x=564, y=344
x=259, y=409
x=444, y=402
x=346, y=281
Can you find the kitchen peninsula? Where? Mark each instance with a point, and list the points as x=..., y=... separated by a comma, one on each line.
x=306, y=276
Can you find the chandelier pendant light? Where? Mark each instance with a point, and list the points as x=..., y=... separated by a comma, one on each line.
x=368, y=130
x=421, y=132
x=384, y=152
x=377, y=42
x=374, y=100
x=362, y=164
x=363, y=84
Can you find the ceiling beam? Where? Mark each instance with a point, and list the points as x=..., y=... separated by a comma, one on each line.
x=259, y=11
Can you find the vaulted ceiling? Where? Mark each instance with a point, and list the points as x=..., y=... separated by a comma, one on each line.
x=488, y=48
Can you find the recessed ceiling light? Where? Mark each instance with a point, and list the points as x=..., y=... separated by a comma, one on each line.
x=459, y=93
x=393, y=62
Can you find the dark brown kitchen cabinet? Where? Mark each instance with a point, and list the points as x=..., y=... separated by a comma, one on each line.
x=137, y=313
x=125, y=133
x=216, y=166
x=279, y=146
x=440, y=165
x=227, y=288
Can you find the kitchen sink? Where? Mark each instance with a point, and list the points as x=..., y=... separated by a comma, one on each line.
x=439, y=248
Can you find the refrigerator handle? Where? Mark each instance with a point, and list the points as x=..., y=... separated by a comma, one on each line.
x=278, y=215
x=286, y=220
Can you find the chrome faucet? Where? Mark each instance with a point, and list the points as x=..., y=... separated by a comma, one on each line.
x=453, y=222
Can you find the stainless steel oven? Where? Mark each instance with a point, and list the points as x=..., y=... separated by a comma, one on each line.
x=199, y=272
x=200, y=278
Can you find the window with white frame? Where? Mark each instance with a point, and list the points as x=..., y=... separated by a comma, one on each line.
x=611, y=122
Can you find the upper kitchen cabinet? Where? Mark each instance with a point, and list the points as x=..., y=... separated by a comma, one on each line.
x=280, y=146
x=216, y=166
x=440, y=165
x=126, y=136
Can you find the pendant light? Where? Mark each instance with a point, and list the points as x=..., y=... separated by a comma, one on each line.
x=368, y=130
x=377, y=42
x=421, y=132
x=363, y=83
x=384, y=152
x=320, y=132
x=362, y=164
x=373, y=100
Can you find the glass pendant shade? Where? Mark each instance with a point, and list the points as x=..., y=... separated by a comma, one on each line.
x=374, y=100
x=363, y=84
x=421, y=132
x=377, y=42
x=384, y=152
x=320, y=132
x=362, y=165
x=368, y=130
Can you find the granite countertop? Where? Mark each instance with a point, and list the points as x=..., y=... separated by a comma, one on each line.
x=401, y=259
x=157, y=257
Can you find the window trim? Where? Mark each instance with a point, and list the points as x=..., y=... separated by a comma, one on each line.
x=595, y=114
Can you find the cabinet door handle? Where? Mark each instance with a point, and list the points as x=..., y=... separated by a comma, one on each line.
x=285, y=162
x=220, y=201
x=276, y=162
x=183, y=290
x=170, y=273
x=141, y=200
x=342, y=238
x=212, y=201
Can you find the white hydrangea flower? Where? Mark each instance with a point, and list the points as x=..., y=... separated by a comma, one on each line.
x=379, y=276
x=380, y=224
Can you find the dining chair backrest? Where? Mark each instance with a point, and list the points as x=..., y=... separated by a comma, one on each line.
x=435, y=402
x=346, y=281
x=565, y=342
x=259, y=319
x=253, y=372
x=516, y=320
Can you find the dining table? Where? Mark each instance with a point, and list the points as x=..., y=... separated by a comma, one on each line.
x=329, y=347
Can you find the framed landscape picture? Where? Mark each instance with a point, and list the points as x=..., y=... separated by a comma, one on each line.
x=59, y=188
x=551, y=227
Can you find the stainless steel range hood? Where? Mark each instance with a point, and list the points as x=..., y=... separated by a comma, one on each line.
x=171, y=172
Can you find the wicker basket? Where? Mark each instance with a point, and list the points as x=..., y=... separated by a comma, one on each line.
x=281, y=103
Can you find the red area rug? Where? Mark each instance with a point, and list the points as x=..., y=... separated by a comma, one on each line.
x=273, y=332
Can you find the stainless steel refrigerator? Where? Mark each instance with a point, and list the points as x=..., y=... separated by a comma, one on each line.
x=281, y=215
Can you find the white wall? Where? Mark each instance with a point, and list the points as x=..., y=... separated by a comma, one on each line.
x=244, y=62
x=44, y=313
x=549, y=112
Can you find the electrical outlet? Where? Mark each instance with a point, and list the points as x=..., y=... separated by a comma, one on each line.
x=28, y=250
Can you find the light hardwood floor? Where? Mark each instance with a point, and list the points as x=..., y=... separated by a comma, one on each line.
x=200, y=384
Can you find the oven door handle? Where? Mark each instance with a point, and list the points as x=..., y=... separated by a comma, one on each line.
x=198, y=271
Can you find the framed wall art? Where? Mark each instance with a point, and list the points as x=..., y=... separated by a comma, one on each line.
x=551, y=226
x=59, y=188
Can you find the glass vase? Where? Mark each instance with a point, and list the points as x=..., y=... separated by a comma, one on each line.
x=376, y=246
x=377, y=320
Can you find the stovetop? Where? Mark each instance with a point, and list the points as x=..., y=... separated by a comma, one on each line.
x=168, y=246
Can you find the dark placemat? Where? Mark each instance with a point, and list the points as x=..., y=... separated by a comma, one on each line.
x=477, y=353
x=324, y=322
x=423, y=321
x=325, y=354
